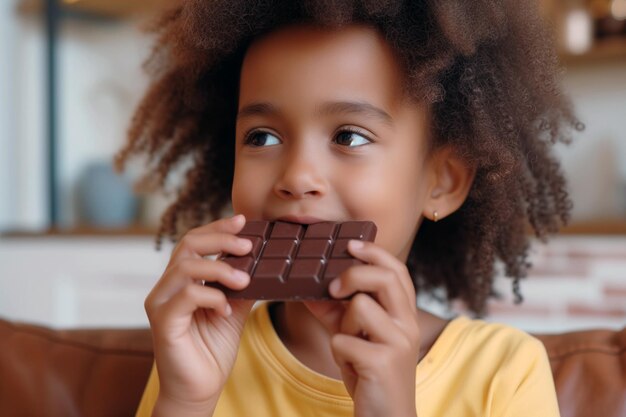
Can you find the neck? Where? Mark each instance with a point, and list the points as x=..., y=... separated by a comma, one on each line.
x=309, y=342
x=305, y=337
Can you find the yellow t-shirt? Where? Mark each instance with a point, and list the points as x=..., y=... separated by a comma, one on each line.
x=474, y=368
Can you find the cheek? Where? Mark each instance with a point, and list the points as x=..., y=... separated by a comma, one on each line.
x=398, y=217
x=391, y=183
x=389, y=196
x=247, y=191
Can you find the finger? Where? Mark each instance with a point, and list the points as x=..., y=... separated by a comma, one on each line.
x=354, y=355
x=189, y=270
x=201, y=245
x=375, y=255
x=231, y=225
x=366, y=319
x=181, y=306
x=380, y=282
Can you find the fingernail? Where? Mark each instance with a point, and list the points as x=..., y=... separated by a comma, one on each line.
x=355, y=244
x=245, y=243
x=240, y=276
x=229, y=310
x=236, y=217
x=335, y=286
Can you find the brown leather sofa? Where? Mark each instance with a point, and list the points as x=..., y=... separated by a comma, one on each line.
x=102, y=372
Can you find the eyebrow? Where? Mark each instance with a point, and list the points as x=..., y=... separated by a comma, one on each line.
x=327, y=108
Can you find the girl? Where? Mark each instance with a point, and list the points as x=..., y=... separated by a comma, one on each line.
x=433, y=119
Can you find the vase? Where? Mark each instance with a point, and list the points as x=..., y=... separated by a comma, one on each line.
x=105, y=198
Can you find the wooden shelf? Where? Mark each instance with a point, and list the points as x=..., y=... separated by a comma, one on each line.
x=599, y=227
x=596, y=227
x=604, y=50
x=137, y=230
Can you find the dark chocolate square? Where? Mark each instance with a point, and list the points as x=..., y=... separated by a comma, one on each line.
x=271, y=268
x=306, y=269
x=256, y=228
x=314, y=248
x=280, y=248
x=335, y=267
x=284, y=230
x=323, y=230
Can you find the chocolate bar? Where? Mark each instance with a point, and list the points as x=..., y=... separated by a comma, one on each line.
x=291, y=261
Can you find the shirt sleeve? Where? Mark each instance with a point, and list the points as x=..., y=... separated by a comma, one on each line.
x=150, y=394
x=532, y=391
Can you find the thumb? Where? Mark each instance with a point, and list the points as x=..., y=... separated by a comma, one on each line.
x=329, y=313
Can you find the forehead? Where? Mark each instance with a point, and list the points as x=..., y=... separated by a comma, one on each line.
x=317, y=63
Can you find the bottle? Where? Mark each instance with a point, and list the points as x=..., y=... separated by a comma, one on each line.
x=578, y=29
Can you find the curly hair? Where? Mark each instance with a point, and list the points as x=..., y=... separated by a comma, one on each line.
x=486, y=69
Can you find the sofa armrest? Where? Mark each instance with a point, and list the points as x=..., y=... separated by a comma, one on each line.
x=589, y=369
x=45, y=372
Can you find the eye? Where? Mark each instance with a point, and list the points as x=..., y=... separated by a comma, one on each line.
x=352, y=138
x=259, y=138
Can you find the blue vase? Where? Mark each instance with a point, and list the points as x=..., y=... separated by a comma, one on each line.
x=105, y=199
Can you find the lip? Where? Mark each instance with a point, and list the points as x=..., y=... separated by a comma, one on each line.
x=300, y=219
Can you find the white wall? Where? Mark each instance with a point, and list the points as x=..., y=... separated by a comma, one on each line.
x=100, y=83
x=23, y=198
x=79, y=281
x=596, y=162
x=7, y=112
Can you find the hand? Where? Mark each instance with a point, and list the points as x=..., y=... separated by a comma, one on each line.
x=195, y=329
x=375, y=337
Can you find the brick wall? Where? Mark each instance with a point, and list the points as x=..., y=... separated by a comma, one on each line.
x=576, y=282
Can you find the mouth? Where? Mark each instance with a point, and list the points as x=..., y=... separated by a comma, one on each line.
x=300, y=219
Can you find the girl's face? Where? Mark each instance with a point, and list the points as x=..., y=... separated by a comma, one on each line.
x=324, y=131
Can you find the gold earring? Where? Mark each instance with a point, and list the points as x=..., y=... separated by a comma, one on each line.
x=435, y=216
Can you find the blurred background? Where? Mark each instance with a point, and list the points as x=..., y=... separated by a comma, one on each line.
x=77, y=245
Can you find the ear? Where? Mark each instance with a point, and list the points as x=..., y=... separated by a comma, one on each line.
x=451, y=178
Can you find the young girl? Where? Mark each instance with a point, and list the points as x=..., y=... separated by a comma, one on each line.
x=434, y=119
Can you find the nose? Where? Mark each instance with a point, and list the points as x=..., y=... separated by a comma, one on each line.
x=302, y=176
